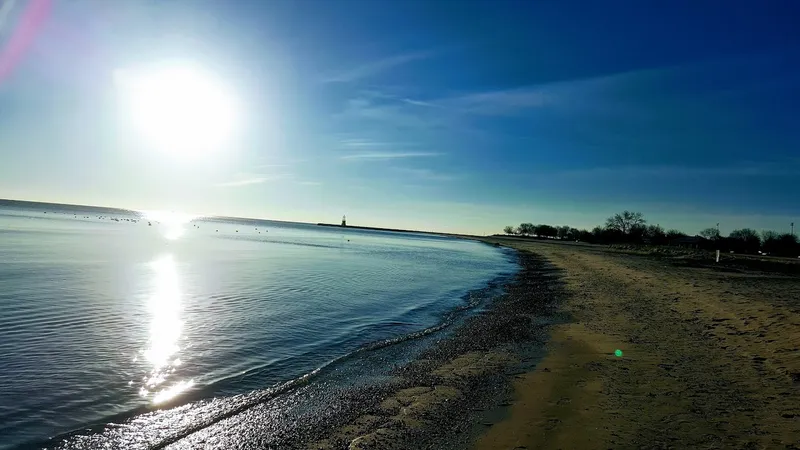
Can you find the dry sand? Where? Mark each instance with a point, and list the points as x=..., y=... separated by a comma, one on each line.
x=711, y=358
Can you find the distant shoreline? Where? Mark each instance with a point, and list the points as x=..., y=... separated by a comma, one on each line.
x=215, y=218
x=393, y=230
x=69, y=206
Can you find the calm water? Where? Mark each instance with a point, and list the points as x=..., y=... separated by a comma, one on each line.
x=103, y=316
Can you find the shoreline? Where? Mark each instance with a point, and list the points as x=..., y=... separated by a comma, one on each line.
x=395, y=360
x=447, y=396
x=442, y=397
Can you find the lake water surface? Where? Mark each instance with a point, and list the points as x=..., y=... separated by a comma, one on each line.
x=105, y=314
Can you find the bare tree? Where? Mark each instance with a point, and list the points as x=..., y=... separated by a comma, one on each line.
x=744, y=240
x=625, y=221
x=509, y=230
x=525, y=229
x=656, y=234
x=675, y=234
x=710, y=233
x=769, y=235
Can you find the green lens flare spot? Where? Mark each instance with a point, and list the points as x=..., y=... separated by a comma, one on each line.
x=618, y=353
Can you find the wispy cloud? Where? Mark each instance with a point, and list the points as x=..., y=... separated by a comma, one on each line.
x=270, y=166
x=397, y=112
x=603, y=91
x=615, y=92
x=246, y=180
x=359, y=143
x=374, y=67
x=390, y=155
x=411, y=101
x=503, y=101
x=426, y=174
x=310, y=183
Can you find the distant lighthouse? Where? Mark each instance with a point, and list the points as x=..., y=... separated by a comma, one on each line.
x=344, y=221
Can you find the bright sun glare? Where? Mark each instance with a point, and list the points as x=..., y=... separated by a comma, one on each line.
x=180, y=110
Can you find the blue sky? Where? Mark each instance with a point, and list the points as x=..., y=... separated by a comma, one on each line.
x=454, y=116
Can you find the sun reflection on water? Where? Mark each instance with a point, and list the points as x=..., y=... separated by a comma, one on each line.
x=166, y=326
x=172, y=224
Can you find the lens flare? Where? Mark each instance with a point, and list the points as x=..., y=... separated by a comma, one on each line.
x=30, y=21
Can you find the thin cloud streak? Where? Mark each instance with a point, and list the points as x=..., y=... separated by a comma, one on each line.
x=270, y=166
x=390, y=155
x=246, y=181
x=240, y=183
x=399, y=113
x=420, y=103
x=363, y=143
x=427, y=174
x=577, y=93
x=373, y=68
x=601, y=91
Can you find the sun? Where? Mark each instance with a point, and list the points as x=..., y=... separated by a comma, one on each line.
x=179, y=110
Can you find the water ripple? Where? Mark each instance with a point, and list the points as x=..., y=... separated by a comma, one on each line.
x=142, y=340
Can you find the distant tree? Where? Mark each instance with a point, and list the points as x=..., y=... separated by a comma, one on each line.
x=562, y=232
x=549, y=231
x=780, y=244
x=744, y=240
x=585, y=236
x=602, y=235
x=710, y=233
x=675, y=234
x=769, y=235
x=509, y=230
x=525, y=229
x=573, y=234
x=656, y=234
x=789, y=245
x=637, y=233
x=625, y=221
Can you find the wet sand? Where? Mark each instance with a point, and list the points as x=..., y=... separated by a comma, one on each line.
x=711, y=358
x=448, y=396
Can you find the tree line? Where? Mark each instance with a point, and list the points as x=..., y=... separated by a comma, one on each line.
x=631, y=228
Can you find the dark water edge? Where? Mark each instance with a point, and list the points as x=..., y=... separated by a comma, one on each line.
x=316, y=401
x=515, y=325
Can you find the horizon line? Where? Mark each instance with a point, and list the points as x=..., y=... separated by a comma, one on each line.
x=215, y=216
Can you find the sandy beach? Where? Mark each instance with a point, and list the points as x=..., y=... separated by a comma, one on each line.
x=708, y=357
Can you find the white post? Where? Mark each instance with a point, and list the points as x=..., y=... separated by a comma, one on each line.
x=717, y=255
